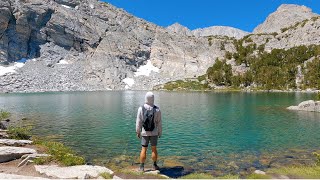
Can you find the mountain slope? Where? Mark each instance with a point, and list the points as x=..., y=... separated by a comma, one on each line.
x=86, y=45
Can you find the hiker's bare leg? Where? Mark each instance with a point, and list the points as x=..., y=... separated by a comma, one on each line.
x=143, y=154
x=154, y=154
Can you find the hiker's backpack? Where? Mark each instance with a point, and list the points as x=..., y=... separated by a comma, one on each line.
x=148, y=118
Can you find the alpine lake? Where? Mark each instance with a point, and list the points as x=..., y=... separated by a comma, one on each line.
x=217, y=132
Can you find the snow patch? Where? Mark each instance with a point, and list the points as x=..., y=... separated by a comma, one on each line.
x=68, y=7
x=145, y=70
x=129, y=82
x=10, y=69
x=63, y=62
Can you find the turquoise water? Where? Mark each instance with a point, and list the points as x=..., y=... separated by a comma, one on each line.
x=101, y=125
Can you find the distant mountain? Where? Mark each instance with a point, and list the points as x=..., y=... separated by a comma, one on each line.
x=209, y=31
x=286, y=15
x=220, y=31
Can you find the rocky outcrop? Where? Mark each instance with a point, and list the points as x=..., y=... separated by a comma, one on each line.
x=220, y=31
x=310, y=105
x=286, y=15
x=8, y=153
x=72, y=172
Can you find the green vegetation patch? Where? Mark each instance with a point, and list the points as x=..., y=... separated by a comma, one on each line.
x=228, y=176
x=197, y=176
x=305, y=172
x=258, y=176
x=185, y=85
x=59, y=153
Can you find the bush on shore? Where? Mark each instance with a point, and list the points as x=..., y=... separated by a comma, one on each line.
x=59, y=153
x=22, y=133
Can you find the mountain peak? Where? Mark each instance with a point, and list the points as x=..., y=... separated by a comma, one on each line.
x=285, y=16
x=179, y=29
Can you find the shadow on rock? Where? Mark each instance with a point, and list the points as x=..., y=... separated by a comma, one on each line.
x=175, y=172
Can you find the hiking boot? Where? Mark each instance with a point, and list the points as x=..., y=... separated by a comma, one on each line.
x=155, y=167
x=141, y=169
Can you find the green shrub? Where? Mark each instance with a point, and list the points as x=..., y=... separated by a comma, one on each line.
x=4, y=114
x=317, y=155
x=60, y=153
x=19, y=132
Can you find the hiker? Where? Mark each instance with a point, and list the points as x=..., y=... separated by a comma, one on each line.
x=149, y=129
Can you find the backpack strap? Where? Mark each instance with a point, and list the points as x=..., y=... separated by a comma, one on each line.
x=143, y=109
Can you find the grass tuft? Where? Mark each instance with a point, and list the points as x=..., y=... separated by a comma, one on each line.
x=4, y=114
x=106, y=175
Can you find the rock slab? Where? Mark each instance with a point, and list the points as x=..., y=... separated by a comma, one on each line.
x=10, y=153
x=14, y=176
x=310, y=105
x=72, y=172
x=14, y=142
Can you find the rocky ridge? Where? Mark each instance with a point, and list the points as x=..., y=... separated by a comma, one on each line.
x=88, y=45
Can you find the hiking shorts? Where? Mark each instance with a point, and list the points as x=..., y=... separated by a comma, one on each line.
x=146, y=139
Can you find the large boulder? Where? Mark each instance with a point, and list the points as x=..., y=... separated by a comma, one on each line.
x=310, y=105
x=11, y=153
x=72, y=172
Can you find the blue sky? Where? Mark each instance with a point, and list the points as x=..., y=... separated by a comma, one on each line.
x=242, y=14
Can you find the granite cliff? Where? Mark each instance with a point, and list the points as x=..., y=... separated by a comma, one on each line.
x=87, y=45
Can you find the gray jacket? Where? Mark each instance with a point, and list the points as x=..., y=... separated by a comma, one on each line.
x=157, y=121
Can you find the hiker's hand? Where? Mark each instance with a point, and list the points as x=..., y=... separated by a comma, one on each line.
x=138, y=135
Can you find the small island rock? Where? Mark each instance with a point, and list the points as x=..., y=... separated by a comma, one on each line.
x=310, y=105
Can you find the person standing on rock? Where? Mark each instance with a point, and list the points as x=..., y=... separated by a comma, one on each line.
x=149, y=129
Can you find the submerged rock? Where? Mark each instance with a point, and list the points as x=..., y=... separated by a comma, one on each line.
x=310, y=105
x=259, y=172
x=10, y=153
